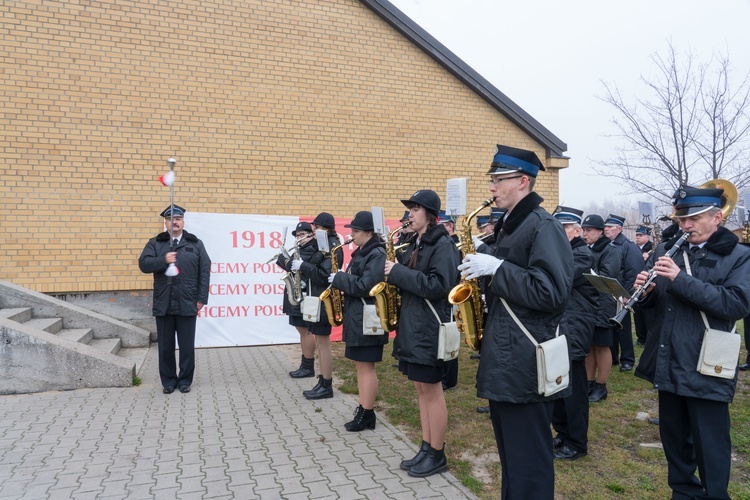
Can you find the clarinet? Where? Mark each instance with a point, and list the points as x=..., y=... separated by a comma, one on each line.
x=617, y=320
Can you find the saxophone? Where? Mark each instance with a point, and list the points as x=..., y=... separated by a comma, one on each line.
x=387, y=299
x=332, y=298
x=293, y=281
x=466, y=294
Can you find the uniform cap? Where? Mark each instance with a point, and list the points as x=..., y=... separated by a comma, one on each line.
x=643, y=230
x=302, y=226
x=425, y=198
x=568, y=215
x=508, y=160
x=689, y=201
x=594, y=221
x=614, y=220
x=324, y=219
x=178, y=211
x=362, y=221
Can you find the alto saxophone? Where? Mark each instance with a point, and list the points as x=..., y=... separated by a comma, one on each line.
x=293, y=281
x=333, y=298
x=387, y=299
x=466, y=295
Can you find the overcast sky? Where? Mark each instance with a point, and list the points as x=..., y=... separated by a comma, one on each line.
x=550, y=57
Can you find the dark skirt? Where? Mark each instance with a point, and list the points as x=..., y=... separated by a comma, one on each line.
x=602, y=337
x=369, y=353
x=323, y=329
x=421, y=373
x=297, y=321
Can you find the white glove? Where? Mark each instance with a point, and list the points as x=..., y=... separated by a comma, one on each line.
x=479, y=264
x=296, y=264
x=330, y=277
x=477, y=241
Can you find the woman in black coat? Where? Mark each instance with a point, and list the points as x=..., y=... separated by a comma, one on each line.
x=426, y=271
x=365, y=271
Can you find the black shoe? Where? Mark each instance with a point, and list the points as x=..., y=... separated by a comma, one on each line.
x=447, y=387
x=654, y=421
x=421, y=455
x=557, y=442
x=306, y=369
x=744, y=367
x=568, y=453
x=184, y=389
x=168, y=390
x=591, y=386
x=323, y=390
x=483, y=409
x=626, y=367
x=434, y=463
x=474, y=356
x=363, y=419
x=640, y=343
x=599, y=394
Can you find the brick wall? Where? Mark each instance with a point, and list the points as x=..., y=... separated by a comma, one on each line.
x=269, y=107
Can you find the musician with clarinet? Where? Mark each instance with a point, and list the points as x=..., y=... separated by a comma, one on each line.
x=531, y=268
x=365, y=270
x=714, y=288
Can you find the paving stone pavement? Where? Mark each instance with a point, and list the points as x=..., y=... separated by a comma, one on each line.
x=244, y=431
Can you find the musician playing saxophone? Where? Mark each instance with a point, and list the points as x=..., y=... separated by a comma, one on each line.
x=364, y=271
x=425, y=271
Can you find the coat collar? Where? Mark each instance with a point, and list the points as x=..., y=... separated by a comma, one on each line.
x=368, y=247
x=721, y=242
x=524, y=207
x=577, y=242
x=601, y=244
x=185, y=235
x=433, y=234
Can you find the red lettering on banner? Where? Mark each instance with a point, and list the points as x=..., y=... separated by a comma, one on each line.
x=267, y=289
x=229, y=267
x=225, y=289
x=224, y=311
x=259, y=267
x=269, y=310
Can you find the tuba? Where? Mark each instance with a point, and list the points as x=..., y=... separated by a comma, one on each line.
x=466, y=295
x=387, y=299
x=728, y=199
x=332, y=298
x=293, y=281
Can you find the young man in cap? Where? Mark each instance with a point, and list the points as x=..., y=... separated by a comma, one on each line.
x=607, y=263
x=694, y=408
x=570, y=417
x=632, y=263
x=177, y=299
x=530, y=267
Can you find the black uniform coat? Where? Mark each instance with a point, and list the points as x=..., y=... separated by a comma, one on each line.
x=315, y=273
x=607, y=262
x=308, y=253
x=187, y=288
x=632, y=261
x=432, y=279
x=581, y=311
x=720, y=287
x=535, y=279
x=647, y=247
x=365, y=271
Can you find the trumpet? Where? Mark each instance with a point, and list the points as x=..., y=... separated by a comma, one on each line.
x=617, y=320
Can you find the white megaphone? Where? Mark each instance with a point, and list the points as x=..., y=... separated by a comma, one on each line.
x=172, y=270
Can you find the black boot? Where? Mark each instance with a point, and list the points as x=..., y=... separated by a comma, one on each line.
x=305, y=370
x=591, y=386
x=434, y=463
x=323, y=390
x=408, y=464
x=599, y=394
x=363, y=419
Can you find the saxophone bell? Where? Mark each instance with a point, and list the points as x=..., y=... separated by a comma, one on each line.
x=387, y=299
x=333, y=298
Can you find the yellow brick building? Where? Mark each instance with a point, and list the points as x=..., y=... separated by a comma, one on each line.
x=269, y=106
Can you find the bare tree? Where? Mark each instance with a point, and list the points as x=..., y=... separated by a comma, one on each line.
x=691, y=126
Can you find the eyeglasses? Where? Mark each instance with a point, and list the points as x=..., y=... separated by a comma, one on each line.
x=497, y=181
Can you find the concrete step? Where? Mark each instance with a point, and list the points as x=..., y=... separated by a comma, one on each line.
x=50, y=325
x=18, y=314
x=135, y=354
x=111, y=346
x=80, y=335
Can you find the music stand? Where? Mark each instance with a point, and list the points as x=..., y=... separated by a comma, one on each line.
x=607, y=285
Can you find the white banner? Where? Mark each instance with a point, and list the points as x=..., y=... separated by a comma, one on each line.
x=246, y=293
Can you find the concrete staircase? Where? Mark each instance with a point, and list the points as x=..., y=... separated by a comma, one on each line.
x=47, y=344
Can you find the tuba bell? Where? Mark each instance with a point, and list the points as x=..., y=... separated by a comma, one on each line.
x=728, y=199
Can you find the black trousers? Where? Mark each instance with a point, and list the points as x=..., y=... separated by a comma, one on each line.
x=623, y=342
x=695, y=434
x=570, y=416
x=166, y=328
x=450, y=373
x=524, y=443
x=641, y=320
